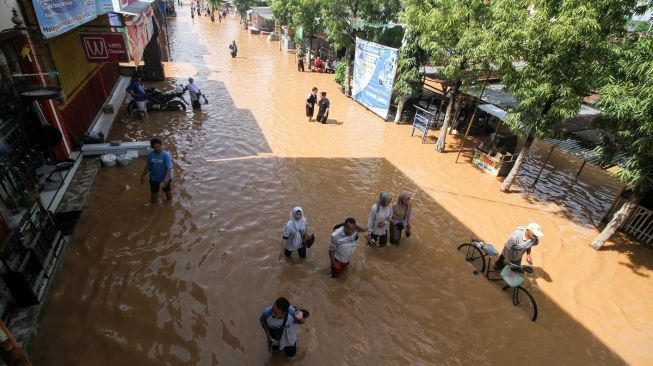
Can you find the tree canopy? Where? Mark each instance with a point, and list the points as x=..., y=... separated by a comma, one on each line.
x=626, y=101
x=550, y=58
x=453, y=34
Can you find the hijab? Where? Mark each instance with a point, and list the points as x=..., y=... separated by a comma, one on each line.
x=400, y=209
x=384, y=199
x=297, y=225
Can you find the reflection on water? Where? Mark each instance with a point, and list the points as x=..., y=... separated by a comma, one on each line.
x=586, y=197
x=183, y=282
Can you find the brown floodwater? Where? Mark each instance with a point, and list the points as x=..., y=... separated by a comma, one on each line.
x=184, y=282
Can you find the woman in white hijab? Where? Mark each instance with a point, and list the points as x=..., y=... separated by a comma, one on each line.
x=377, y=222
x=295, y=236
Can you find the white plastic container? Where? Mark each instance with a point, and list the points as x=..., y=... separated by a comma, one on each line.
x=123, y=159
x=108, y=159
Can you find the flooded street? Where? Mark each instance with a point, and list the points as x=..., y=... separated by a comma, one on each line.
x=184, y=282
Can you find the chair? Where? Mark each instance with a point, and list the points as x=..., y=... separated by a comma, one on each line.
x=423, y=121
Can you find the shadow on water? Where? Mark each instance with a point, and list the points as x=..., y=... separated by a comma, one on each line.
x=636, y=252
x=184, y=282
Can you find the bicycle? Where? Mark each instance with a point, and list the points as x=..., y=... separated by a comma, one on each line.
x=476, y=252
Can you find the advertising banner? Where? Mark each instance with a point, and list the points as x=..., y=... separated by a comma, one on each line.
x=104, y=47
x=59, y=16
x=374, y=73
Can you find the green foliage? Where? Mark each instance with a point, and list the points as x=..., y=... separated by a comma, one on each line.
x=243, y=5
x=562, y=47
x=411, y=57
x=337, y=15
x=453, y=33
x=339, y=75
x=282, y=11
x=627, y=104
x=303, y=14
x=306, y=14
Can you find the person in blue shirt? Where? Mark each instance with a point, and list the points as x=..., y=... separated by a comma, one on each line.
x=137, y=91
x=278, y=322
x=159, y=166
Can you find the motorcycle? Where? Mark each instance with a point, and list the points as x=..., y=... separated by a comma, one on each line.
x=157, y=100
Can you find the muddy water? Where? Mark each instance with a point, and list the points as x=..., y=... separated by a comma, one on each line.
x=183, y=283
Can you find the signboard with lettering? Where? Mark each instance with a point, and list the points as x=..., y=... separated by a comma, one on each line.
x=375, y=66
x=104, y=47
x=59, y=16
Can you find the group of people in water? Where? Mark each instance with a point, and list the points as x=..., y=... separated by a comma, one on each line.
x=209, y=10
x=323, y=106
x=384, y=220
x=316, y=63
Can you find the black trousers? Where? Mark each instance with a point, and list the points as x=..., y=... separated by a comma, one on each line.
x=301, y=251
x=300, y=65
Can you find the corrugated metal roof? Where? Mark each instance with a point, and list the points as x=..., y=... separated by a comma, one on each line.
x=575, y=148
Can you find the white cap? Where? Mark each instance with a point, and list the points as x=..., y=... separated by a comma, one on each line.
x=536, y=229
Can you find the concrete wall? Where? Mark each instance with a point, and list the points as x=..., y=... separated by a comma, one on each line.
x=5, y=13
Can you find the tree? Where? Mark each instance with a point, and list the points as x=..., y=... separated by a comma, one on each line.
x=452, y=32
x=409, y=79
x=242, y=6
x=282, y=11
x=303, y=14
x=562, y=46
x=306, y=14
x=338, y=17
x=627, y=105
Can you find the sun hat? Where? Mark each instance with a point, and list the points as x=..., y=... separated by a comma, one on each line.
x=536, y=229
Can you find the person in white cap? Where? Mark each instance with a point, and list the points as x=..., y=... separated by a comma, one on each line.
x=519, y=242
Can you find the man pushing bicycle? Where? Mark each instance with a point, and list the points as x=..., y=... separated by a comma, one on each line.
x=519, y=242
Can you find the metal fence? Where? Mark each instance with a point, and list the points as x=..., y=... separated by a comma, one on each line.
x=640, y=225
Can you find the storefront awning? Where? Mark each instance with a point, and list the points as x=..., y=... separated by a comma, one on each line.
x=493, y=110
x=136, y=8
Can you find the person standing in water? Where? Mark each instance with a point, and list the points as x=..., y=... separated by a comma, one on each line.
x=295, y=236
x=195, y=93
x=300, y=60
x=520, y=241
x=278, y=322
x=159, y=167
x=402, y=212
x=377, y=222
x=233, y=49
x=323, y=111
x=310, y=103
x=343, y=244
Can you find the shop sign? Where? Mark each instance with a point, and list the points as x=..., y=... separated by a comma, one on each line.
x=56, y=17
x=104, y=47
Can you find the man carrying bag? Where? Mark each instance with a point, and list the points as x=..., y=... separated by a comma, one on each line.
x=278, y=322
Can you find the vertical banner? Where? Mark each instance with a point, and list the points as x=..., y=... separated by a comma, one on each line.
x=59, y=16
x=137, y=33
x=374, y=73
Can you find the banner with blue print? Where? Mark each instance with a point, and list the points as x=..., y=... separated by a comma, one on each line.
x=375, y=66
x=59, y=16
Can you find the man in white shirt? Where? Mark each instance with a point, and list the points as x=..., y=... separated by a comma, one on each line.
x=343, y=244
x=194, y=92
x=519, y=242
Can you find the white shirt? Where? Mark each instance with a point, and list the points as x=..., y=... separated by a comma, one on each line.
x=342, y=244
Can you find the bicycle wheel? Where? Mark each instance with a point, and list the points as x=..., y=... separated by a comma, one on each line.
x=522, y=298
x=473, y=255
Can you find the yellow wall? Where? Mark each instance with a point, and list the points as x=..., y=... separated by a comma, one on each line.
x=69, y=57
